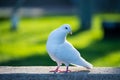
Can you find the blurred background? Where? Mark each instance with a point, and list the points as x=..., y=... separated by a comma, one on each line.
x=26, y=24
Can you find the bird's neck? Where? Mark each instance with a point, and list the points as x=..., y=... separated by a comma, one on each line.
x=58, y=38
x=61, y=38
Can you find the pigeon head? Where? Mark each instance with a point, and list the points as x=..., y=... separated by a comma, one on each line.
x=66, y=28
x=58, y=36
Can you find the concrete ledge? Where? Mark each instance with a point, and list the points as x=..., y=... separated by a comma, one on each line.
x=42, y=73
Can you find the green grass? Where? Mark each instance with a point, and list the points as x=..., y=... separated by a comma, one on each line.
x=30, y=37
x=26, y=46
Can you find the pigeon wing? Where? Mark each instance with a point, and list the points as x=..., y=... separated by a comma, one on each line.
x=66, y=53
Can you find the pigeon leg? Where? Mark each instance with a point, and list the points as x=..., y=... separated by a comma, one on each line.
x=56, y=70
x=67, y=70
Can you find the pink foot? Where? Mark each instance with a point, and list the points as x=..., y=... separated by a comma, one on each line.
x=55, y=71
x=65, y=71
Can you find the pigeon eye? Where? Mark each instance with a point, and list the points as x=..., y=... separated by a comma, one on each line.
x=66, y=28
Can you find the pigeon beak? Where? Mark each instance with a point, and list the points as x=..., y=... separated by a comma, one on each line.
x=70, y=32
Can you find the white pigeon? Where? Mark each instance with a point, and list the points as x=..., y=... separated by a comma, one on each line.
x=62, y=52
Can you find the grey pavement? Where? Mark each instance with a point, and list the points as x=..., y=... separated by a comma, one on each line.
x=42, y=73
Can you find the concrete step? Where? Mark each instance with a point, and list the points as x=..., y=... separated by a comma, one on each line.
x=42, y=73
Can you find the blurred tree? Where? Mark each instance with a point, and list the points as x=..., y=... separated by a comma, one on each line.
x=14, y=15
x=111, y=28
x=87, y=8
x=84, y=11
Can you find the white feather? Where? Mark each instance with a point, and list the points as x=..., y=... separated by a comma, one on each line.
x=61, y=51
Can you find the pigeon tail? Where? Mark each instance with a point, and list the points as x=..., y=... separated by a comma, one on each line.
x=84, y=63
x=88, y=65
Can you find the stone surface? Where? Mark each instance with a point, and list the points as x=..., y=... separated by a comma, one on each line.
x=42, y=73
